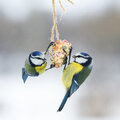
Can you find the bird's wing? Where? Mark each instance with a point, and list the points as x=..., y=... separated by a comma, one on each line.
x=75, y=84
x=30, y=70
x=77, y=80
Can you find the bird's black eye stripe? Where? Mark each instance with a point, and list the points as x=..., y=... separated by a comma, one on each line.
x=38, y=58
x=78, y=56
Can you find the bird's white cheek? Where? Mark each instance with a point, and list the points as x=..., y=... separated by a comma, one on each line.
x=36, y=61
x=81, y=60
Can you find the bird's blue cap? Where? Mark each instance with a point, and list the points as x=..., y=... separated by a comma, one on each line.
x=36, y=53
x=84, y=54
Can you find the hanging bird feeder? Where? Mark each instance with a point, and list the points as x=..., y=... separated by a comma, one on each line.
x=58, y=52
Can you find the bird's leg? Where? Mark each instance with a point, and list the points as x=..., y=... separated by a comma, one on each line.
x=51, y=43
x=69, y=55
x=64, y=66
x=51, y=66
x=65, y=63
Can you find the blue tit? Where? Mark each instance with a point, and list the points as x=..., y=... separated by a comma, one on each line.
x=35, y=65
x=75, y=74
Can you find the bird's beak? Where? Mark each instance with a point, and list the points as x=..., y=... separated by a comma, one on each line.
x=74, y=56
x=44, y=53
x=45, y=59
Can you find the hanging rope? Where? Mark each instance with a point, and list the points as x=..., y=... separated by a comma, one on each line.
x=54, y=28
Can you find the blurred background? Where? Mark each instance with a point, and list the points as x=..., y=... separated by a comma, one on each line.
x=92, y=26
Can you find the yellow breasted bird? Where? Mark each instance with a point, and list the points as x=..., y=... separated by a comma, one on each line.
x=75, y=74
x=35, y=65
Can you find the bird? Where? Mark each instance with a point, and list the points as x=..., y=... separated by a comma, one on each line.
x=35, y=65
x=75, y=74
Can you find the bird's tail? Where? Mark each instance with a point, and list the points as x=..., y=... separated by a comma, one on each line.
x=64, y=101
x=24, y=75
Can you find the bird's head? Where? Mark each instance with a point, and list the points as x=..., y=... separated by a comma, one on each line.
x=83, y=59
x=37, y=58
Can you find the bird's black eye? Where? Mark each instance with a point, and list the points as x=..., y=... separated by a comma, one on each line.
x=78, y=56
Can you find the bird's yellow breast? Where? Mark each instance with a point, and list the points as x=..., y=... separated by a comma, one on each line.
x=69, y=72
x=41, y=69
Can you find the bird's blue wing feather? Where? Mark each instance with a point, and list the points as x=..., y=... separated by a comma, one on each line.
x=74, y=85
x=24, y=75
